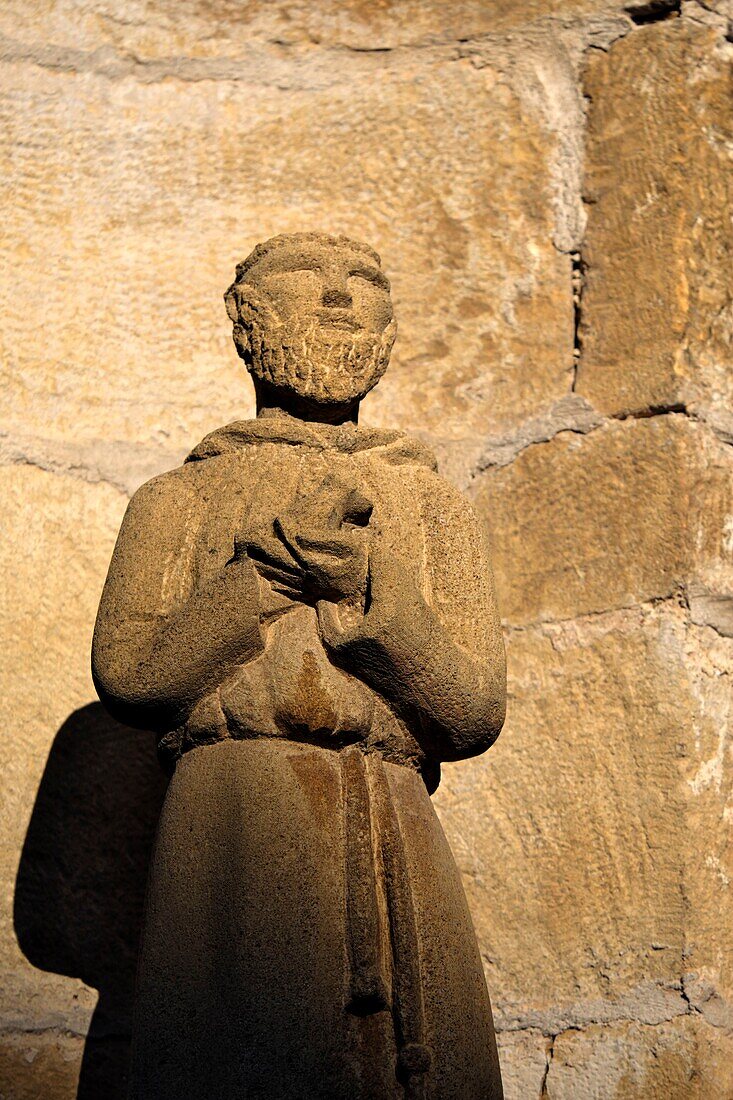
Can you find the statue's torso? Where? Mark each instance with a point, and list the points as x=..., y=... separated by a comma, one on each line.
x=293, y=689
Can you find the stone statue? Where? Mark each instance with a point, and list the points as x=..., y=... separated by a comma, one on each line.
x=304, y=610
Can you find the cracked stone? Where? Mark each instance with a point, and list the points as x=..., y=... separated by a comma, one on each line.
x=523, y=1058
x=711, y=609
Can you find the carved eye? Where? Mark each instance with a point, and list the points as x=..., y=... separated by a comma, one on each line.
x=298, y=280
x=371, y=275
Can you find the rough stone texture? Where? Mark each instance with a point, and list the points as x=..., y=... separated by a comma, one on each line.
x=156, y=31
x=708, y=774
x=632, y=1061
x=70, y=804
x=657, y=310
x=523, y=1056
x=135, y=185
x=633, y=511
x=46, y=677
x=604, y=938
x=463, y=223
x=45, y=1064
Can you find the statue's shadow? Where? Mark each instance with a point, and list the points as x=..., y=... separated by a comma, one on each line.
x=81, y=881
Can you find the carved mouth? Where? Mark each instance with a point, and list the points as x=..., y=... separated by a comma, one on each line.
x=342, y=319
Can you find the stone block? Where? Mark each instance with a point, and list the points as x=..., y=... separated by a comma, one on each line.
x=523, y=1057
x=571, y=833
x=133, y=200
x=656, y=318
x=708, y=778
x=594, y=839
x=631, y=512
x=45, y=1065
x=157, y=31
x=58, y=536
x=682, y=1060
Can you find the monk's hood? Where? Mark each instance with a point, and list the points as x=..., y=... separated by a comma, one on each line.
x=393, y=447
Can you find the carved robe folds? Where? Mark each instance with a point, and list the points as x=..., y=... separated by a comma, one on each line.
x=306, y=935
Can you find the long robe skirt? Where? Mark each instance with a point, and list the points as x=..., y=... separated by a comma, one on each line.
x=307, y=936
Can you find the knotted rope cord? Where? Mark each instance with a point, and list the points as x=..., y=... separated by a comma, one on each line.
x=367, y=791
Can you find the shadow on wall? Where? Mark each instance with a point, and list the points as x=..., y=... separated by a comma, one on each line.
x=81, y=882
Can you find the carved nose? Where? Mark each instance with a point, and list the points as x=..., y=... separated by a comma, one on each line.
x=336, y=297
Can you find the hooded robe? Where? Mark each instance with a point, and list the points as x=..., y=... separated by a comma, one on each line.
x=306, y=931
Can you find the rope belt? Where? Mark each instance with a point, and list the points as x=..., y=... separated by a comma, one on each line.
x=380, y=916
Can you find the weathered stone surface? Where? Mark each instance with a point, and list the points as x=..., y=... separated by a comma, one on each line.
x=132, y=149
x=633, y=511
x=43, y=1065
x=523, y=1056
x=708, y=775
x=657, y=320
x=711, y=609
x=589, y=886
x=682, y=1060
x=115, y=328
x=624, y=890
x=714, y=1060
x=58, y=1065
x=157, y=30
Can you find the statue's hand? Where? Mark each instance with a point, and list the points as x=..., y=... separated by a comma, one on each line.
x=317, y=547
x=272, y=560
x=392, y=604
x=327, y=534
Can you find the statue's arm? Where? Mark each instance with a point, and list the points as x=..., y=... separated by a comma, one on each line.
x=440, y=659
x=162, y=641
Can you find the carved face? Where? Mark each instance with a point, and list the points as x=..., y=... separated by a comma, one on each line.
x=314, y=317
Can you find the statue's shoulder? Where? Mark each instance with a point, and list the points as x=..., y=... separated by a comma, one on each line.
x=229, y=440
x=443, y=505
x=161, y=499
x=247, y=437
x=222, y=443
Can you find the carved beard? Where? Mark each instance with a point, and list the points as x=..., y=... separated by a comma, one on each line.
x=318, y=363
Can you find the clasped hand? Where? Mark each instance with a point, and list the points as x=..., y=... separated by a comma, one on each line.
x=317, y=547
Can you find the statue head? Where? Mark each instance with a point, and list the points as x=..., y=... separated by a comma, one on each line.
x=313, y=318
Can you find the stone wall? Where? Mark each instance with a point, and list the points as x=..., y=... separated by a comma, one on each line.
x=549, y=184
